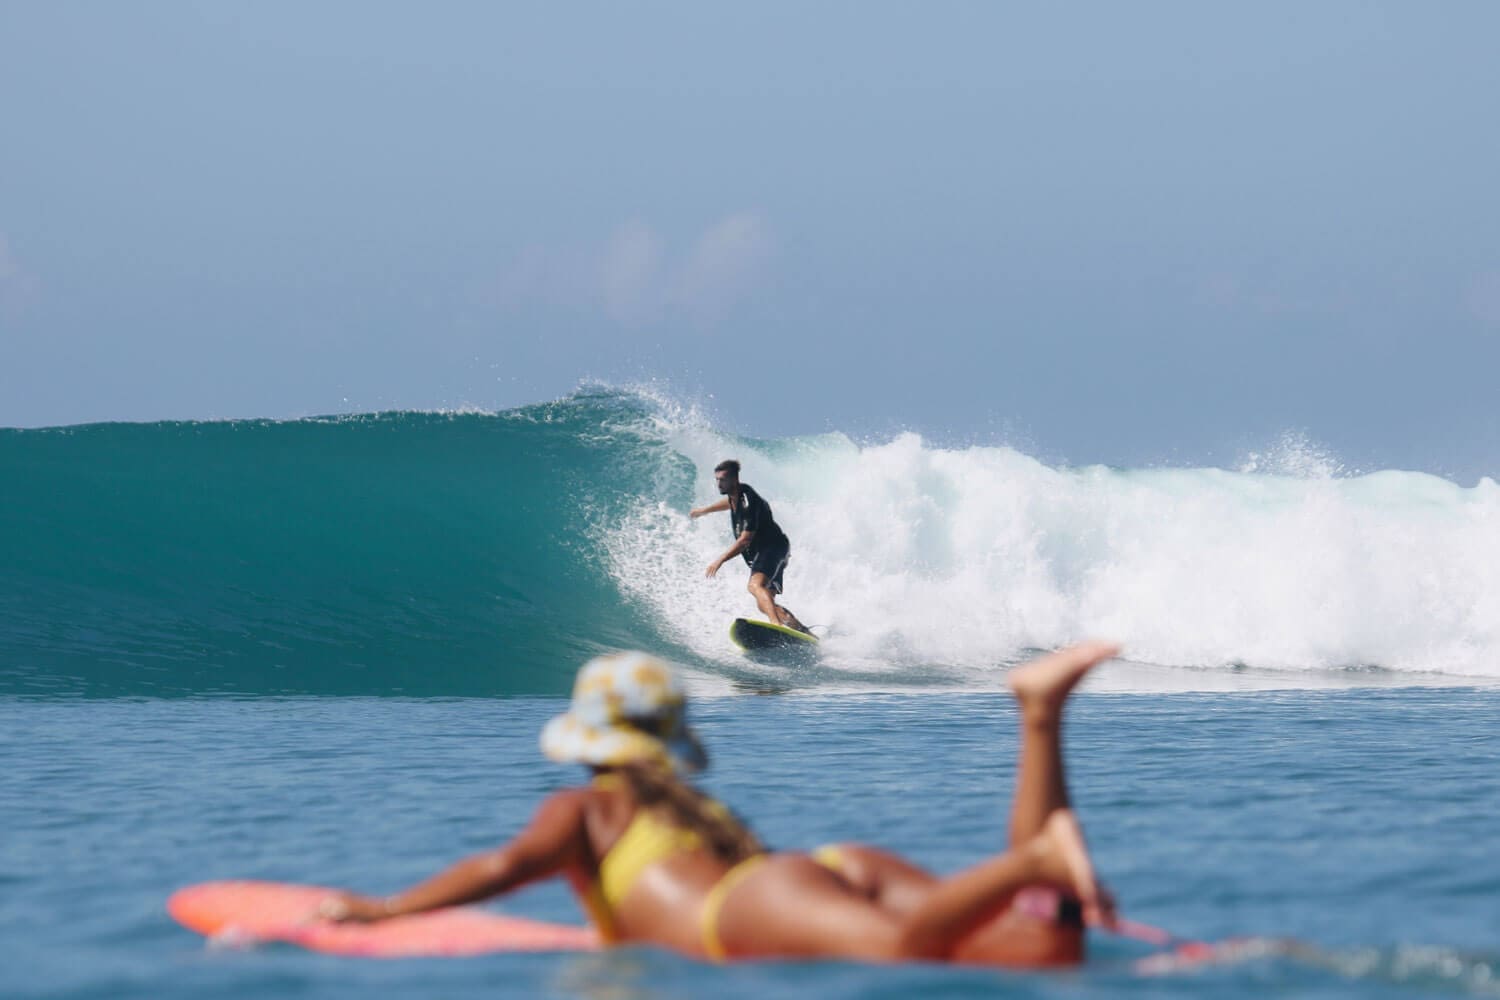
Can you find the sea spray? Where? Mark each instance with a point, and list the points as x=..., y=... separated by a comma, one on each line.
x=968, y=558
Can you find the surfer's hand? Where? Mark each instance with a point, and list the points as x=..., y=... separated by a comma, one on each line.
x=348, y=908
x=713, y=568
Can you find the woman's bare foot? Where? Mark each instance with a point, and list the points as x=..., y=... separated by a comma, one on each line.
x=1064, y=861
x=1042, y=686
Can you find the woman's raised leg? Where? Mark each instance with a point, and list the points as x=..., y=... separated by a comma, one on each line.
x=1035, y=935
x=1041, y=688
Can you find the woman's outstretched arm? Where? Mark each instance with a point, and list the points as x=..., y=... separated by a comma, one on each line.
x=548, y=843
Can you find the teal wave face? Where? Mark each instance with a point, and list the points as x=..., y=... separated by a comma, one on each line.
x=397, y=553
x=490, y=554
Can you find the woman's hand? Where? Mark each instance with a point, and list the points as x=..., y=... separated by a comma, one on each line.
x=349, y=908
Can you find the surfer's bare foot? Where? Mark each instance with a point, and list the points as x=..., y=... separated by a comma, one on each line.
x=1042, y=686
x=790, y=621
x=1064, y=861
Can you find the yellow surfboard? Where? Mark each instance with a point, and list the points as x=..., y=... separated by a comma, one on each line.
x=753, y=635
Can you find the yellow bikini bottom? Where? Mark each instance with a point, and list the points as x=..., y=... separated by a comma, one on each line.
x=828, y=857
x=714, y=902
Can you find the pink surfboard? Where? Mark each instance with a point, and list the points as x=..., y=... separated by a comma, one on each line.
x=277, y=911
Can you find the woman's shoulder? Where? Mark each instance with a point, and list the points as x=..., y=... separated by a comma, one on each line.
x=605, y=794
x=566, y=803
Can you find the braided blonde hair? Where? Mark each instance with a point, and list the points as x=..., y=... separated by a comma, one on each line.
x=656, y=787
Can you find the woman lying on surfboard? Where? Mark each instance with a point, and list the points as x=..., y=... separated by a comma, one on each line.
x=655, y=861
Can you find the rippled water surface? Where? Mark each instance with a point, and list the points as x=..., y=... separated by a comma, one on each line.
x=1360, y=823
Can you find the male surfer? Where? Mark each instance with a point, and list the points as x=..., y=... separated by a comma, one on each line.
x=757, y=537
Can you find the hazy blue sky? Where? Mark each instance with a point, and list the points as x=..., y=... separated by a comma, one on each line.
x=1145, y=232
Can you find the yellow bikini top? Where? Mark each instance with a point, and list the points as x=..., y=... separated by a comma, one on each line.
x=648, y=839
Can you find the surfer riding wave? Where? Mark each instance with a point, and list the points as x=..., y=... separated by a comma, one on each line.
x=757, y=537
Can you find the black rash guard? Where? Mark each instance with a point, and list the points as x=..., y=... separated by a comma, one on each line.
x=752, y=513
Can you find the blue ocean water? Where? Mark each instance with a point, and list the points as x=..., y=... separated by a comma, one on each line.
x=321, y=650
x=1360, y=822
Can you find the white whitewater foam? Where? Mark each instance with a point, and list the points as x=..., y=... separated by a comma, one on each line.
x=965, y=559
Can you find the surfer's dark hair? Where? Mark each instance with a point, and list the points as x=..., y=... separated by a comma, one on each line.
x=730, y=466
x=656, y=787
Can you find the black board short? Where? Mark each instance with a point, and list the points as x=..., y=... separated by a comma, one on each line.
x=771, y=561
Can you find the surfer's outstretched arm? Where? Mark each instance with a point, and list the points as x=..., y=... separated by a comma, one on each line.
x=542, y=849
x=714, y=508
x=740, y=544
